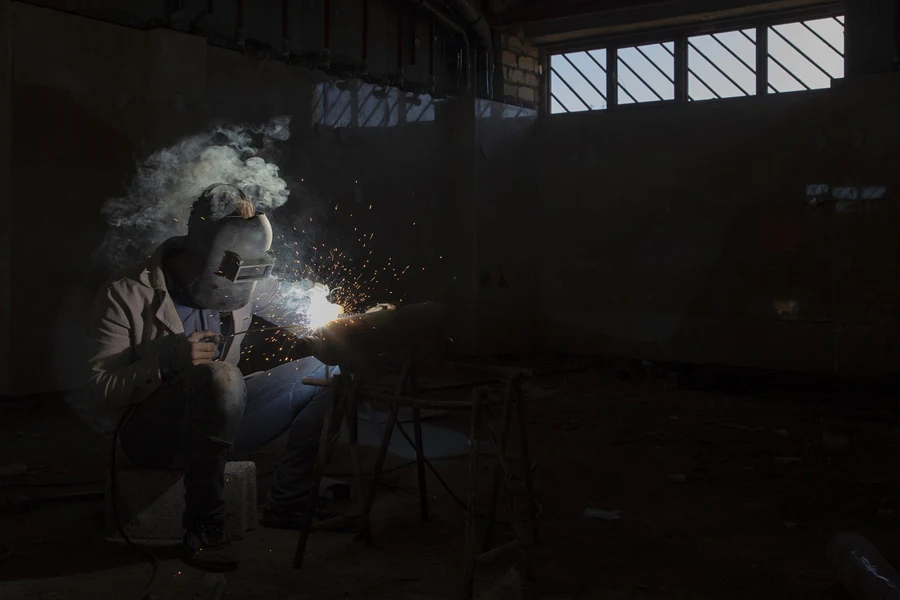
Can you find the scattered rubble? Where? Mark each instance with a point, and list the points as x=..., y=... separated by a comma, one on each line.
x=605, y=515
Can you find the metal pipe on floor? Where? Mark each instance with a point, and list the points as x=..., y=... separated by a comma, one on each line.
x=861, y=568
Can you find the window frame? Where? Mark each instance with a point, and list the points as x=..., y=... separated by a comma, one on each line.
x=680, y=35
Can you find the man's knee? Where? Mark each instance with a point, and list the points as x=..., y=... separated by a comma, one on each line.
x=220, y=388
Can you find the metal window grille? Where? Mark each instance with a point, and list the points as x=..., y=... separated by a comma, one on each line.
x=803, y=55
x=722, y=65
x=578, y=81
x=646, y=73
x=806, y=55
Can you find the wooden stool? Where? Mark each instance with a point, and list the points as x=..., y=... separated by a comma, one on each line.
x=346, y=393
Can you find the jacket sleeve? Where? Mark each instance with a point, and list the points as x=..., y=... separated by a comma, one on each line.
x=269, y=304
x=117, y=379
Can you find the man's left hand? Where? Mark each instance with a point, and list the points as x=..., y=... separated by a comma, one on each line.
x=302, y=348
x=383, y=306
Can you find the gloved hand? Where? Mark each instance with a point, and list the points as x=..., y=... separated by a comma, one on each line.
x=382, y=306
x=184, y=352
x=304, y=347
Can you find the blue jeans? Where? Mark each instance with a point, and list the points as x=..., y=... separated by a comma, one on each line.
x=212, y=412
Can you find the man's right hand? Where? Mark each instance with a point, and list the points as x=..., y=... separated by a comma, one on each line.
x=200, y=347
x=190, y=351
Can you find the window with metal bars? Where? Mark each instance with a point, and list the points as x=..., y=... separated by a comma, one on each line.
x=646, y=73
x=806, y=55
x=803, y=55
x=722, y=65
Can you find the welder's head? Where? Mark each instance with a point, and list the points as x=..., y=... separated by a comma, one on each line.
x=228, y=248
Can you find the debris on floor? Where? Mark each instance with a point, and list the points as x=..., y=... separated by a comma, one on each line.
x=776, y=497
x=606, y=515
x=15, y=470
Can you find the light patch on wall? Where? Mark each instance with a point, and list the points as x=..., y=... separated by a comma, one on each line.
x=849, y=198
x=816, y=193
x=487, y=109
x=852, y=199
x=873, y=193
x=343, y=105
x=786, y=309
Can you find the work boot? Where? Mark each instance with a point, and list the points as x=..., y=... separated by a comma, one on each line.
x=204, y=480
x=207, y=548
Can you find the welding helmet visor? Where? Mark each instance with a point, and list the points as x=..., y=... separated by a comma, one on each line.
x=228, y=252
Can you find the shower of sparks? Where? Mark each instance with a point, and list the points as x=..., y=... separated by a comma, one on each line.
x=312, y=305
x=319, y=283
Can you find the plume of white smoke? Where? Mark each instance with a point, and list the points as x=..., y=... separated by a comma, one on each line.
x=168, y=182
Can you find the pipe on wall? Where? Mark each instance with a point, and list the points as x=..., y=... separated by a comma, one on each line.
x=326, y=51
x=453, y=26
x=285, y=30
x=431, y=42
x=400, y=75
x=239, y=26
x=365, y=37
x=473, y=15
x=413, y=37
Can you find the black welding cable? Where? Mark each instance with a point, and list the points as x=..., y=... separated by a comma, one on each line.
x=142, y=552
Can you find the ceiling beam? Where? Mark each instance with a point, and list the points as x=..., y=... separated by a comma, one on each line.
x=663, y=15
x=543, y=11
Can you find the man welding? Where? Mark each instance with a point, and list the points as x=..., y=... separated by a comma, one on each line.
x=167, y=335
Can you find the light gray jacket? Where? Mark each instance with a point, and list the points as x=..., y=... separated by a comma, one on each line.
x=132, y=316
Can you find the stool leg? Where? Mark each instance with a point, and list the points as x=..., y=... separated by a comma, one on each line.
x=420, y=464
x=526, y=461
x=495, y=484
x=478, y=400
x=313, y=500
x=363, y=533
x=352, y=415
x=420, y=449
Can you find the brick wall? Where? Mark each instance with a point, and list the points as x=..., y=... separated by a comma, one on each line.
x=521, y=71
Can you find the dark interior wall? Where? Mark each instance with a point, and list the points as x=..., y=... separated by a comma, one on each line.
x=89, y=98
x=5, y=196
x=262, y=26
x=504, y=213
x=685, y=232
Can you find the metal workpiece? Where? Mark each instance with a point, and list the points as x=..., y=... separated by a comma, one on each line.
x=861, y=568
x=356, y=340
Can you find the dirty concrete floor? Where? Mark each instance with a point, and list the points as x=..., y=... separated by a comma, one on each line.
x=720, y=496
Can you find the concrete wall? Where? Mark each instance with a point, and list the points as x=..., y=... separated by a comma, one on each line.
x=685, y=232
x=260, y=29
x=504, y=212
x=91, y=97
x=5, y=195
x=521, y=69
